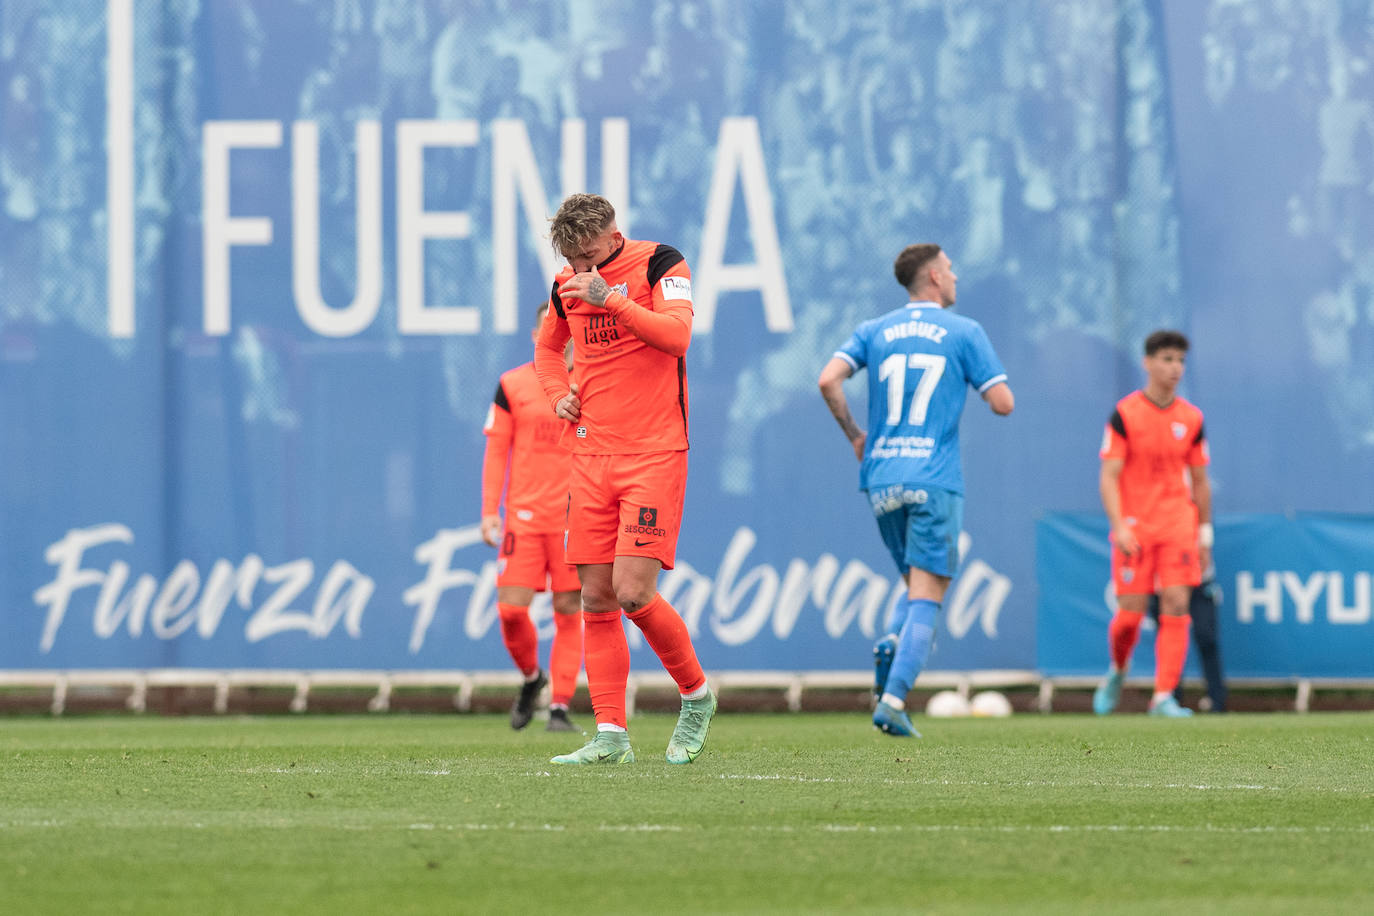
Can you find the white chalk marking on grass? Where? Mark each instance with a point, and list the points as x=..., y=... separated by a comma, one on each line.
x=1076, y=828
x=551, y=828
x=619, y=773
x=1027, y=784
x=752, y=828
x=336, y=771
x=521, y=828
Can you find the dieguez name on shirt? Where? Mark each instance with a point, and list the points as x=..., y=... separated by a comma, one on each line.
x=926, y=329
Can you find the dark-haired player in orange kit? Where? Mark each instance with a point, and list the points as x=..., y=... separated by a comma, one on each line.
x=1159, y=502
x=627, y=306
x=525, y=467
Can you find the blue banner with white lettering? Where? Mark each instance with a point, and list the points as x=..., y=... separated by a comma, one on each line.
x=262, y=263
x=1295, y=596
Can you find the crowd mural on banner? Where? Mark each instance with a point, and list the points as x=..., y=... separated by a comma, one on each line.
x=263, y=261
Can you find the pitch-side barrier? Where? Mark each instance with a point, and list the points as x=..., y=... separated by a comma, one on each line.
x=792, y=684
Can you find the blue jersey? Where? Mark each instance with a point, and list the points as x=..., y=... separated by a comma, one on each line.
x=920, y=360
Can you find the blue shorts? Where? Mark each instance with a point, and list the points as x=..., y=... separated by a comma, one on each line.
x=920, y=526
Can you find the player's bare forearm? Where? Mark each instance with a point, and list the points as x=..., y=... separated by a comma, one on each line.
x=832, y=391
x=831, y=384
x=1202, y=494
x=1109, y=484
x=1202, y=498
x=839, y=409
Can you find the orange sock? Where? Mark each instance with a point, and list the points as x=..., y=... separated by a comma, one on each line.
x=608, y=666
x=565, y=659
x=517, y=632
x=1122, y=634
x=667, y=635
x=1171, y=651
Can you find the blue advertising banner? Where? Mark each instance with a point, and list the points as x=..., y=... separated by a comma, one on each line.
x=1296, y=596
x=262, y=263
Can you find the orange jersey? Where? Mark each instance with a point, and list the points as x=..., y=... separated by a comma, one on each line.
x=628, y=357
x=525, y=456
x=1157, y=445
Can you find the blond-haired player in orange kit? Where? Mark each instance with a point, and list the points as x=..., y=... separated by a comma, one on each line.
x=1159, y=502
x=525, y=467
x=627, y=307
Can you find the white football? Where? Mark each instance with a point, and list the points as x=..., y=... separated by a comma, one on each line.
x=990, y=704
x=947, y=704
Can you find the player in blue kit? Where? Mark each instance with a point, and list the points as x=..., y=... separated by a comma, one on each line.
x=921, y=360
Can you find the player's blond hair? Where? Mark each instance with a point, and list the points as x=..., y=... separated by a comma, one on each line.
x=581, y=217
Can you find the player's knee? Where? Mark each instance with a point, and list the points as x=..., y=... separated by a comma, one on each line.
x=632, y=599
x=1173, y=608
x=599, y=602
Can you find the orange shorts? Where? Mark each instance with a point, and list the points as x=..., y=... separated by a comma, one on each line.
x=626, y=506
x=1161, y=563
x=535, y=560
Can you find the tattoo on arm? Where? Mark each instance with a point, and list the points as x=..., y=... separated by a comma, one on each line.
x=597, y=291
x=839, y=407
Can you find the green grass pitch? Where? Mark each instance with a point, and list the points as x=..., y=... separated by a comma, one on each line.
x=397, y=814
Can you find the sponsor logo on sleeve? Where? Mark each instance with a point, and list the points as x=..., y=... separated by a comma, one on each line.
x=676, y=288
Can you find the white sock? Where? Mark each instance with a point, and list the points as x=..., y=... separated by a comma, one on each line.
x=1159, y=695
x=605, y=727
x=894, y=701
x=696, y=694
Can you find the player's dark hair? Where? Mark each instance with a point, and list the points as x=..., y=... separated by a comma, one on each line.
x=912, y=260
x=579, y=218
x=1165, y=339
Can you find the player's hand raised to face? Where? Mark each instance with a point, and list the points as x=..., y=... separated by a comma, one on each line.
x=589, y=286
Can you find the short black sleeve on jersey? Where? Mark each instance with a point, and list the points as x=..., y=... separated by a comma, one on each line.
x=1118, y=424
x=500, y=399
x=1201, y=434
x=664, y=258
x=557, y=301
